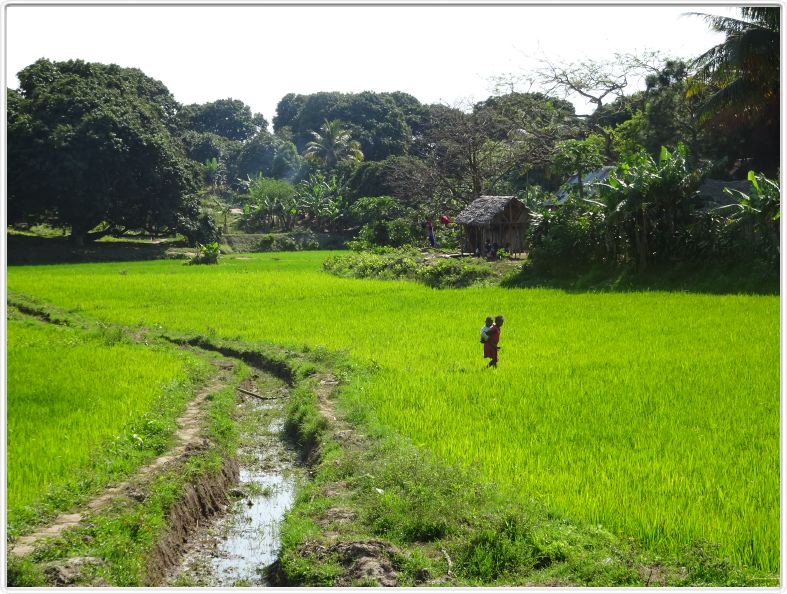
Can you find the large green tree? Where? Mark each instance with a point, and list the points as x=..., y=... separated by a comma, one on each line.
x=90, y=148
x=666, y=115
x=532, y=124
x=270, y=155
x=742, y=73
x=490, y=150
x=579, y=157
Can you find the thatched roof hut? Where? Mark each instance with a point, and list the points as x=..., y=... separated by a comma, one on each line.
x=497, y=219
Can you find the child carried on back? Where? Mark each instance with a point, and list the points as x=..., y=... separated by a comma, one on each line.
x=485, y=330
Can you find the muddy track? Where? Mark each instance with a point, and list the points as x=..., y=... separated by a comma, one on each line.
x=187, y=439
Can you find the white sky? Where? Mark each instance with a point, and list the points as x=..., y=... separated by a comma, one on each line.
x=260, y=53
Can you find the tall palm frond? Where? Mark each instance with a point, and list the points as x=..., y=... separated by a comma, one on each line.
x=333, y=144
x=745, y=66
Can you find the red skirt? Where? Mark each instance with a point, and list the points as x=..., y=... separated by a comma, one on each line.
x=490, y=350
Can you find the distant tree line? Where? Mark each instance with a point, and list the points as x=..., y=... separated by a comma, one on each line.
x=99, y=149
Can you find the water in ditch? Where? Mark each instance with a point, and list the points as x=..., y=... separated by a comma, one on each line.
x=236, y=547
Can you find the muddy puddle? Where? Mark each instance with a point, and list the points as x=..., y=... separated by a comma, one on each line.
x=236, y=547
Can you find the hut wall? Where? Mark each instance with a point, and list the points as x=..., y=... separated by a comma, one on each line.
x=511, y=234
x=507, y=228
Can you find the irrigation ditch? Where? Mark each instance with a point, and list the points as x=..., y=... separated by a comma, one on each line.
x=235, y=547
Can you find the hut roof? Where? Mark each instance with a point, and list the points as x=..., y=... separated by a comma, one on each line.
x=483, y=210
x=589, y=181
x=712, y=191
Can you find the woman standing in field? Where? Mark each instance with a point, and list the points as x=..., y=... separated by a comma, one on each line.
x=490, y=346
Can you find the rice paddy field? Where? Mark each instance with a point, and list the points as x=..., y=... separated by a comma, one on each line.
x=653, y=414
x=72, y=395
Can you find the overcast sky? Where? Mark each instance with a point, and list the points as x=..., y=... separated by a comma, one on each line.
x=257, y=54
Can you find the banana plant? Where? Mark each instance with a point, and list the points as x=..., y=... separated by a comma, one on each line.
x=757, y=213
x=649, y=202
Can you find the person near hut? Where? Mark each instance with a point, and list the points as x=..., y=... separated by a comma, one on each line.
x=488, y=249
x=491, y=345
x=430, y=233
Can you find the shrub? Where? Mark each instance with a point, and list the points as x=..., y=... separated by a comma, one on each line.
x=497, y=551
x=452, y=273
x=201, y=230
x=394, y=233
x=208, y=254
x=571, y=235
x=753, y=224
x=388, y=264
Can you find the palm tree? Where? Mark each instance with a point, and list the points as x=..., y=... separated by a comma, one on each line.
x=744, y=68
x=332, y=145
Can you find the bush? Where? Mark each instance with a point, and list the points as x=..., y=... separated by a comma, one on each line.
x=202, y=230
x=498, y=551
x=753, y=223
x=376, y=208
x=394, y=233
x=294, y=241
x=299, y=239
x=452, y=273
x=208, y=254
x=390, y=264
x=567, y=237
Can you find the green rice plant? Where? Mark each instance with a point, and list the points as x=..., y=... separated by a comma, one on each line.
x=84, y=407
x=654, y=414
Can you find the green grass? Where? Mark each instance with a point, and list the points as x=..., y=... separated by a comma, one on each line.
x=654, y=414
x=84, y=407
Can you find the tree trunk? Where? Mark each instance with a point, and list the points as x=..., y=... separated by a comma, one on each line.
x=77, y=238
x=607, y=141
x=643, y=244
x=79, y=233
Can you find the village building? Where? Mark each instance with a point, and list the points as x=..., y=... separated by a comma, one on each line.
x=498, y=219
x=590, y=183
x=712, y=194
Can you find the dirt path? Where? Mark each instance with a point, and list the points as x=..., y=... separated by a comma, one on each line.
x=186, y=437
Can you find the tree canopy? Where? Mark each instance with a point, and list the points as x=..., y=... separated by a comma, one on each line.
x=229, y=118
x=105, y=148
x=378, y=121
x=90, y=146
x=741, y=79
